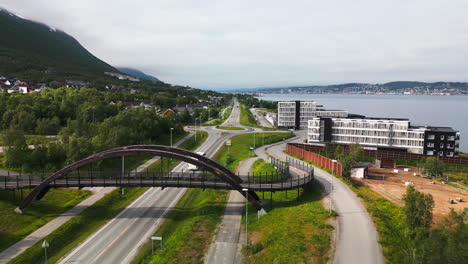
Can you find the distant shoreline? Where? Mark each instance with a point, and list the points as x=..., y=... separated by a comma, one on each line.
x=257, y=94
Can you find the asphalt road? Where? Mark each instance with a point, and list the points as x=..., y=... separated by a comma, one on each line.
x=118, y=241
x=260, y=116
x=357, y=237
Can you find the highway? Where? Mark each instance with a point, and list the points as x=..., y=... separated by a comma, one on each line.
x=118, y=241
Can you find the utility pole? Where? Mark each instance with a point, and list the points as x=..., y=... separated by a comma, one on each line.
x=246, y=215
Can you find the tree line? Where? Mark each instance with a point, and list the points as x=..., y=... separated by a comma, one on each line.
x=85, y=121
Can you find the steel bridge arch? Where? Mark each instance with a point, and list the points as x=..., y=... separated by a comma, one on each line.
x=157, y=150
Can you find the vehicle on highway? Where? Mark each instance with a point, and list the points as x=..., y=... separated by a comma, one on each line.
x=194, y=167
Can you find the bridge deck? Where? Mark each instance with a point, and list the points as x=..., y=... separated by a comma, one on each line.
x=179, y=180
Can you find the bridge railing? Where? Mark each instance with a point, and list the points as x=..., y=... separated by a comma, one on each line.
x=148, y=178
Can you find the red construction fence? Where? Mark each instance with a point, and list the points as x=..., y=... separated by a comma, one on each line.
x=315, y=158
x=384, y=154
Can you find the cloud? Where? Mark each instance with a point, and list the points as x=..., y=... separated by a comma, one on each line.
x=220, y=44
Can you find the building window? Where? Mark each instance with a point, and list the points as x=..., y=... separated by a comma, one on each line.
x=450, y=154
x=441, y=145
x=441, y=153
x=451, y=138
x=431, y=137
x=442, y=137
x=430, y=144
x=430, y=152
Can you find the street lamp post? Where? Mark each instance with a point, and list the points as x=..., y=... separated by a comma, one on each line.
x=331, y=187
x=246, y=214
x=195, y=129
x=171, y=135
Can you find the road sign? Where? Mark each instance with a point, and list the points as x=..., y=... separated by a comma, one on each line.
x=228, y=142
x=153, y=238
x=45, y=244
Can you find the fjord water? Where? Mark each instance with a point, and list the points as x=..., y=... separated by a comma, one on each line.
x=432, y=110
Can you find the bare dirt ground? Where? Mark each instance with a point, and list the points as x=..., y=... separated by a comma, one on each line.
x=393, y=187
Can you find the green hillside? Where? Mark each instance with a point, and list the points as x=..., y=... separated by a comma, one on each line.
x=35, y=51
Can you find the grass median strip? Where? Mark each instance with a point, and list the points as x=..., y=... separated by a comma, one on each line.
x=14, y=227
x=247, y=119
x=294, y=231
x=229, y=128
x=189, y=229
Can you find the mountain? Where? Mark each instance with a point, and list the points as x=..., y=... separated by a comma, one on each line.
x=29, y=49
x=137, y=73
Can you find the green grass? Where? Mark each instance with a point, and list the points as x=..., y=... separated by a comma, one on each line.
x=229, y=128
x=264, y=170
x=388, y=217
x=240, y=147
x=262, y=167
x=247, y=119
x=294, y=231
x=188, y=229
x=14, y=227
x=77, y=229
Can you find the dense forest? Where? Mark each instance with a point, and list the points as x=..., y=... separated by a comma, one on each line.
x=88, y=120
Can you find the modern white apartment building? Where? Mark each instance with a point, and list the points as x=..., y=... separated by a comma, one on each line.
x=296, y=114
x=384, y=133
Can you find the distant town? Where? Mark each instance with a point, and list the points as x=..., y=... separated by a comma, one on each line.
x=393, y=88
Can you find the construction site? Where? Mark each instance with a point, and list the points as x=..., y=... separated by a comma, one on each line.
x=392, y=182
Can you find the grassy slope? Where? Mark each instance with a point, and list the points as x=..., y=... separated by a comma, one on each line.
x=239, y=149
x=14, y=227
x=247, y=119
x=294, y=231
x=264, y=170
x=77, y=229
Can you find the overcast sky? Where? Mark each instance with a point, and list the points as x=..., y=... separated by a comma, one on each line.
x=235, y=44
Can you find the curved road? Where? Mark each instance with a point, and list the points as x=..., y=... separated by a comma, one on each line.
x=357, y=237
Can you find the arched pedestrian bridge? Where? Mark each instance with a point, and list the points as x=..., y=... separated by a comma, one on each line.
x=212, y=176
